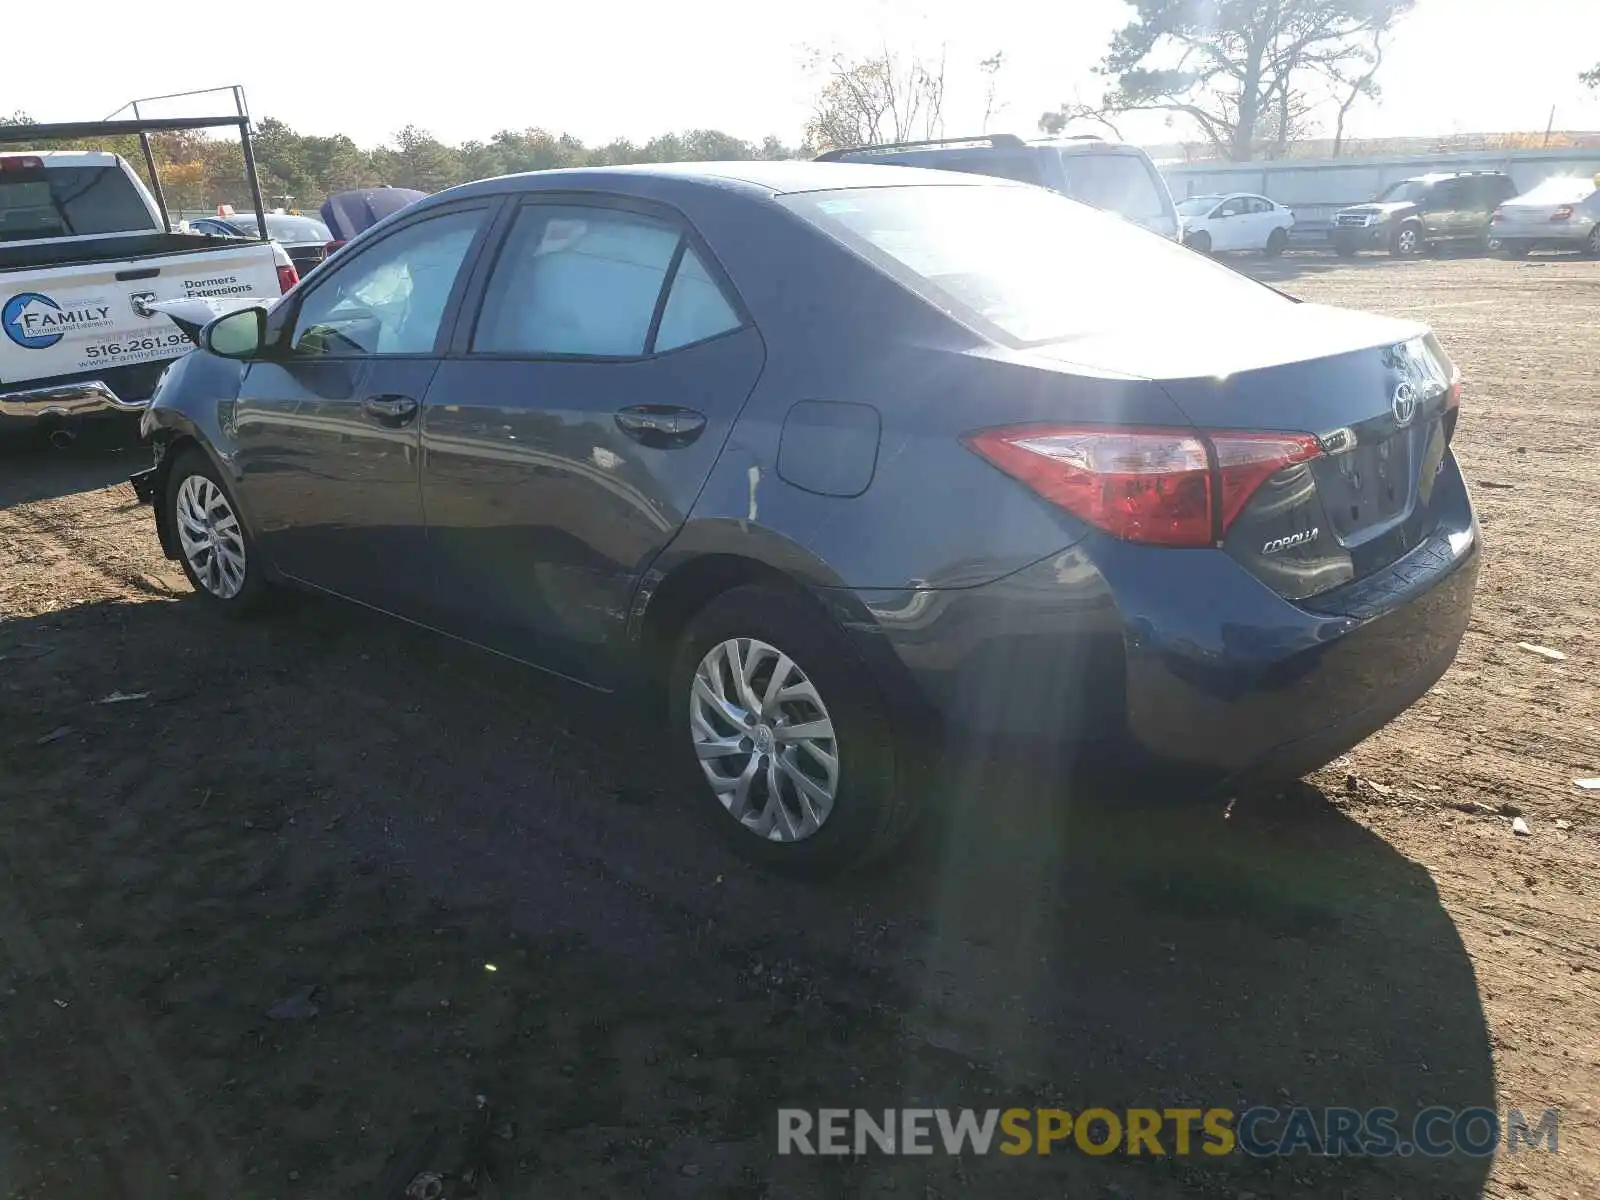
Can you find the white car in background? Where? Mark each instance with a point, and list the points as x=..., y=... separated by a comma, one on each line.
x=1562, y=213
x=1242, y=221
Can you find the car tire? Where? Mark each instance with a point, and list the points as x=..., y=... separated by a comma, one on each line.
x=1591, y=244
x=1344, y=250
x=1277, y=242
x=1516, y=249
x=1199, y=242
x=1407, y=242
x=778, y=800
x=214, y=547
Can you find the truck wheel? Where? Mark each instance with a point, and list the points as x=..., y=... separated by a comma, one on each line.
x=1344, y=249
x=1407, y=242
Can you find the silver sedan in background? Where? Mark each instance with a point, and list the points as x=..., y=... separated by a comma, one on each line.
x=1562, y=213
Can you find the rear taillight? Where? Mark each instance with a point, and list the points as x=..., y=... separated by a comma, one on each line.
x=328, y=250
x=1497, y=216
x=1564, y=213
x=1162, y=487
x=287, y=277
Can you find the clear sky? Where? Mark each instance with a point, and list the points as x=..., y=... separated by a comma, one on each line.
x=634, y=68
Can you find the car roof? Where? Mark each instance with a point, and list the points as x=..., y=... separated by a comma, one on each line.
x=1086, y=143
x=756, y=176
x=1441, y=176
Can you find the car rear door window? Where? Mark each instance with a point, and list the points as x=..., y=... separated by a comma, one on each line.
x=1117, y=182
x=1449, y=194
x=576, y=282
x=1023, y=168
x=588, y=282
x=391, y=297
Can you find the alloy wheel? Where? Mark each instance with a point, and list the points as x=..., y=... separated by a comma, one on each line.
x=1594, y=241
x=764, y=739
x=208, y=531
x=1407, y=242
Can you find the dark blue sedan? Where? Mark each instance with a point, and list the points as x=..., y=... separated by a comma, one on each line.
x=840, y=461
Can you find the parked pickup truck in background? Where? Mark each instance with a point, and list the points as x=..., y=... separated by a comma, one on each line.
x=85, y=249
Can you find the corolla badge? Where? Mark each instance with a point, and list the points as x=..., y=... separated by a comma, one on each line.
x=1278, y=545
x=1404, y=404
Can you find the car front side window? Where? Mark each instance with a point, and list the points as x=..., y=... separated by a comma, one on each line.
x=392, y=298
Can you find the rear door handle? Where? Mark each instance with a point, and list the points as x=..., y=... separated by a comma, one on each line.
x=661, y=426
x=390, y=410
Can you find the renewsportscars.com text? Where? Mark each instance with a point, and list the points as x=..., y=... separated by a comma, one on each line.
x=1259, y=1132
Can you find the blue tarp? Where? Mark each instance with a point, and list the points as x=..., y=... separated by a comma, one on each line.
x=348, y=213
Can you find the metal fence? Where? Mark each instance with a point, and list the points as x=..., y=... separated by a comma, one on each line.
x=1318, y=189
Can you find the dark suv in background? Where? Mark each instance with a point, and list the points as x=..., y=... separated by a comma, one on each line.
x=1415, y=215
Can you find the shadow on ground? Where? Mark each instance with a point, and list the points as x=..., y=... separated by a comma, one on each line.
x=103, y=452
x=250, y=920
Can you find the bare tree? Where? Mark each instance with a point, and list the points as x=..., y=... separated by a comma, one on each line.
x=1074, y=112
x=1354, y=79
x=869, y=101
x=991, y=68
x=1235, y=69
x=1286, y=118
x=1592, y=78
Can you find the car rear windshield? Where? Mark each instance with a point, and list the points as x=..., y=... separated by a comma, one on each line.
x=1119, y=183
x=1024, y=265
x=285, y=227
x=1563, y=189
x=69, y=202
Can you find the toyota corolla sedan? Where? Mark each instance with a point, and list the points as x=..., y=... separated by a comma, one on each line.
x=838, y=460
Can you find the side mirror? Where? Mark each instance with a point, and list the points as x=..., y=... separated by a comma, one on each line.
x=241, y=334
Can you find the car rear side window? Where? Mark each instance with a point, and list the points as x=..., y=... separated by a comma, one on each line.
x=391, y=297
x=696, y=309
x=574, y=281
x=1117, y=182
x=1024, y=168
x=69, y=202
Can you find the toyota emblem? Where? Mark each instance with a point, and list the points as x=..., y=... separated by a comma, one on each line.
x=1404, y=404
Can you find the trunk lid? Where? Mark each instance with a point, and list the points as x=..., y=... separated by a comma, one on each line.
x=1376, y=393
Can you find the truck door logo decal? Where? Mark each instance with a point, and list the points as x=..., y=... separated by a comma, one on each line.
x=35, y=322
x=141, y=304
x=24, y=318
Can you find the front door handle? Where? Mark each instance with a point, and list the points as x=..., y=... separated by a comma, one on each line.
x=661, y=426
x=390, y=410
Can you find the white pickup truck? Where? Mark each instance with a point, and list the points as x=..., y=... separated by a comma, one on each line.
x=85, y=250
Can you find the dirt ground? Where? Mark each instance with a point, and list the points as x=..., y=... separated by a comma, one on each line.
x=279, y=901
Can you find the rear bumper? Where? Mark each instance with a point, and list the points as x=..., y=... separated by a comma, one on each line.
x=66, y=401
x=1543, y=233
x=1182, y=654
x=1286, y=699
